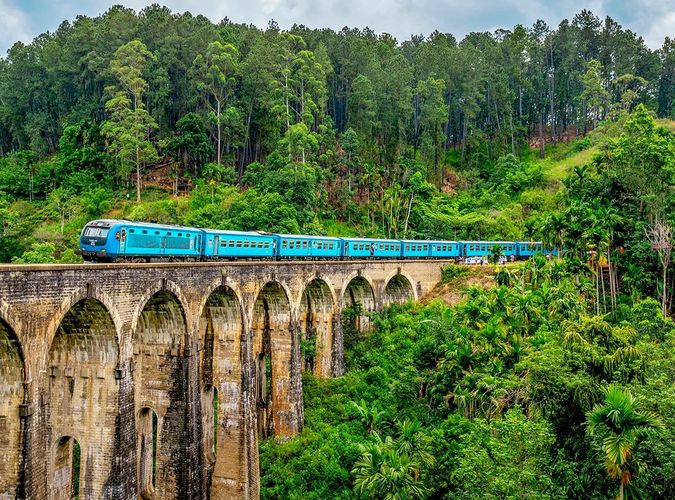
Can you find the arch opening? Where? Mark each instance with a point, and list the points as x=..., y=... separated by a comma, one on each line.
x=83, y=394
x=399, y=290
x=359, y=302
x=160, y=383
x=316, y=316
x=146, y=437
x=220, y=329
x=11, y=396
x=272, y=351
x=66, y=464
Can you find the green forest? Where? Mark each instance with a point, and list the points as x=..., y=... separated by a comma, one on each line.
x=550, y=379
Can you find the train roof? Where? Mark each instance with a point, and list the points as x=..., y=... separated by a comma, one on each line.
x=491, y=242
x=116, y=222
x=330, y=238
x=372, y=239
x=430, y=241
x=239, y=233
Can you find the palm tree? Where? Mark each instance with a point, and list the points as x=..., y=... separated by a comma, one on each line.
x=383, y=472
x=372, y=417
x=619, y=422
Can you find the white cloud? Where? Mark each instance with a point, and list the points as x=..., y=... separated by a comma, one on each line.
x=13, y=25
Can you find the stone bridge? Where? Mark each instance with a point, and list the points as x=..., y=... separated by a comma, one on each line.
x=158, y=380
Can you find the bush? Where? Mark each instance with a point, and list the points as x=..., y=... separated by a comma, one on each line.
x=452, y=271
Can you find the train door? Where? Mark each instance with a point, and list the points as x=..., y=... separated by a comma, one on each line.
x=122, y=237
x=216, y=246
x=162, y=245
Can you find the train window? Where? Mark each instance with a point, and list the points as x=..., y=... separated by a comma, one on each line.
x=145, y=232
x=239, y=243
x=156, y=232
x=407, y=248
x=230, y=243
x=260, y=244
x=180, y=234
x=304, y=244
x=132, y=230
x=284, y=244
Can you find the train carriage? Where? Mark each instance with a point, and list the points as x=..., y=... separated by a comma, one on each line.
x=527, y=249
x=222, y=244
x=445, y=249
x=484, y=248
x=110, y=240
x=363, y=248
x=415, y=249
x=293, y=246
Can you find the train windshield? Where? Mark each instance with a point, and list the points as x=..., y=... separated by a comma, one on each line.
x=96, y=232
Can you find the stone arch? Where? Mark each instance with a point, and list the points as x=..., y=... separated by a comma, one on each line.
x=12, y=376
x=316, y=316
x=221, y=327
x=83, y=391
x=162, y=285
x=88, y=291
x=275, y=377
x=359, y=297
x=66, y=470
x=398, y=290
x=161, y=382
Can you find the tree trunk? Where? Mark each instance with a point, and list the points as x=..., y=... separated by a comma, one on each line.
x=664, y=301
x=542, y=148
x=138, y=174
x=407, y=217
x=219, y=133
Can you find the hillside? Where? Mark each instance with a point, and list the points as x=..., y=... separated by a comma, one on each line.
x=308, y=130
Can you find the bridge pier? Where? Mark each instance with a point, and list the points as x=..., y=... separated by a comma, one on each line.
x=162, y=375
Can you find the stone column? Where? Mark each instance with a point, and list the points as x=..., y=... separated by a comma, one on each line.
x=295, y=390
x=249, y=449
x=338, y=348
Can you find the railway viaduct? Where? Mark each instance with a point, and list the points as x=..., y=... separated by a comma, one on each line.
x=158, y=380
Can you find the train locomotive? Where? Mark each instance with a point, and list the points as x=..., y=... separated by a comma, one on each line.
x=116, y=240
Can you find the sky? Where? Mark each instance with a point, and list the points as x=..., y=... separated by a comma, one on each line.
x=652, y=19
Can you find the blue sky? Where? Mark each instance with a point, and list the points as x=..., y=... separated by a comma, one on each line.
x=653, y=19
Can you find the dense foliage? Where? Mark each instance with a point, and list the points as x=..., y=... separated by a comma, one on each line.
x=347, y=132
x=517, y=391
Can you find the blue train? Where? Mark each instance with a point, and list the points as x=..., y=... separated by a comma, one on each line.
x=111, y=240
